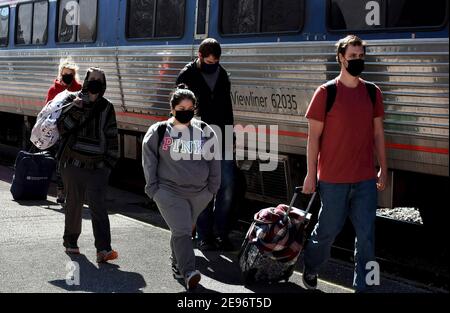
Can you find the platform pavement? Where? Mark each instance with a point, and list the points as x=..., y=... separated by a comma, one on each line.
x=32, y=258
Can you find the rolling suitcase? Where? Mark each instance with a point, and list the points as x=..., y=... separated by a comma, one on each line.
x=273, y=242
x=32, y=174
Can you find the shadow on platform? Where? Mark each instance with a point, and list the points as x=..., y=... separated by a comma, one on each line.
x=106, y=278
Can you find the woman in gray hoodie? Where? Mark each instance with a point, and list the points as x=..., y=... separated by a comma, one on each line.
x=181, y=162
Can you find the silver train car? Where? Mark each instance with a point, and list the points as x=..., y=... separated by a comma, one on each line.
x=273, y=79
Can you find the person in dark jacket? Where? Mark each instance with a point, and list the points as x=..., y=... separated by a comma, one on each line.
x=67, y=80
x=90, y=151
x=210, y=83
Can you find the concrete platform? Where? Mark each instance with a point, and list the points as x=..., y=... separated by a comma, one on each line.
x=32, y=258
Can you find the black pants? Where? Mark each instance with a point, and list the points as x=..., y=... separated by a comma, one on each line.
x=89, y=184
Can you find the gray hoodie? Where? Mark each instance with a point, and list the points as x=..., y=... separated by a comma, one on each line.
x=187, y=161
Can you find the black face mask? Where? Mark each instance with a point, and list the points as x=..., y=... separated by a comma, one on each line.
x=209, y=68
x=67, y=79
x=94, y=86
x=184, y=116
x=355, y=67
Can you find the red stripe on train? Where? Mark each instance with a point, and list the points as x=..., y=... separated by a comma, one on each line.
x=142, y=116
x=285, y=133
x=23, y=101
x=278, y=132
x=397, y=146
x=400, y=146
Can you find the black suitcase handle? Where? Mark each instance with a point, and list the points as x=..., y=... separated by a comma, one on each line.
x=296, y=192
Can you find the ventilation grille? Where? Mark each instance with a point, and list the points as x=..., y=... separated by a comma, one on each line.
x=267, y=186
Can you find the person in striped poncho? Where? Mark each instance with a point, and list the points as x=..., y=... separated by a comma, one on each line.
x=89, y=131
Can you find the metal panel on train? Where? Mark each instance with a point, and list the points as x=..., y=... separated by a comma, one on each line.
x=272, y=84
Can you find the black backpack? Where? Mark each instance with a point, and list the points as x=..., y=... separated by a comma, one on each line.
x=331, y=92
x=161, y=130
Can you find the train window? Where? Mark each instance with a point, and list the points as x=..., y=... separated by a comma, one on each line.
x=23, y=31
x=40, y=23
x=281, y=15
x=155, y=18
x=350, y=15
x=261, y=16
x=404, y=13
x=240, y=16
x=77, y=20
x=67, y=24
x=140, y=18
x=201, y=20
x=88, y=21
x=32, y=23
x=4, y=26
x=169, y=18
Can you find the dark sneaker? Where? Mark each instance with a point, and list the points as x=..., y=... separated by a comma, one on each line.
x=224, y=244
x=207, y=245
x=176, y=272
x=104, y=256
x=310, y=280
x=60, y=197
x=192, y=279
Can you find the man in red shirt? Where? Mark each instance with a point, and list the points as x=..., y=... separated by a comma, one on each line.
x=342, y=142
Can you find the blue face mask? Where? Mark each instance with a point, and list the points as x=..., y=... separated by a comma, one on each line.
x=209, y=68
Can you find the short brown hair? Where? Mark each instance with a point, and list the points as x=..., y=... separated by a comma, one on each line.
x=210, y=46
x=342, y=44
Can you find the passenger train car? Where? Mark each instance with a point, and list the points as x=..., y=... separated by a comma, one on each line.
x=277, y=53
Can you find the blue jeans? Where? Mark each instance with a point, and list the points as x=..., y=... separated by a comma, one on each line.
x=214, y=220
x=359, y=202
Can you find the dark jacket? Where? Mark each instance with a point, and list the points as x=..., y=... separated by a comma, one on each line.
x=90, y=132
x=214, y=107
x=96, y=141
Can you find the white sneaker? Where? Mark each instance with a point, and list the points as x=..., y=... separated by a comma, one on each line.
x=192, y=279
